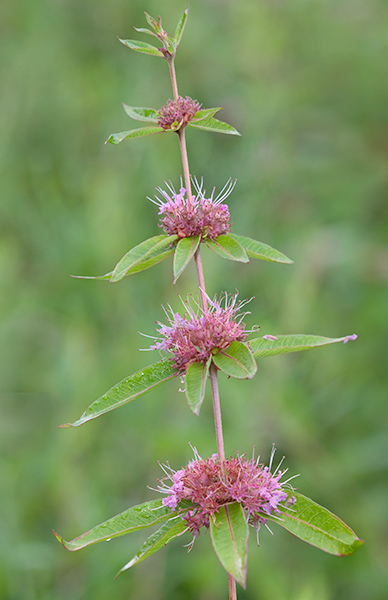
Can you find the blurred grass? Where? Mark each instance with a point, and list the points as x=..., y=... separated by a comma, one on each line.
x=306, y=84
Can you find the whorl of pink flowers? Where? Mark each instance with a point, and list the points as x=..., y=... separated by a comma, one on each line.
x=197, y=335
x=206, y=217
x=176, y=113
x=211, y=483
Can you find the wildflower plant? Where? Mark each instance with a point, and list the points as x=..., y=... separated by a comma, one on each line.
x=206, y=339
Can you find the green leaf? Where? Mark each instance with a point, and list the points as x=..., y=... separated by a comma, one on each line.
x=137, y=517
x=204, y=113
x=227, y=247
x=151, y=21
x=184, y=252
x=144, y=30
x=142, y=47
x=211, y=124
x=262, y=251
x=283, y=344
x=141, y=113
x=236, y=361
x=137, y=259
x=106, y=276
x=195, y=380
x=180, y=28
x=317, y=526
x=117, y=138
x=229, y=533
x=169, y=531
x=127, y=390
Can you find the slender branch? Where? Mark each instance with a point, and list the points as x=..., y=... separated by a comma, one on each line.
x=204, y=302
x=217, y=412
x=201, y=279
x=232, y=588
x=171, y=67
x=185, y=164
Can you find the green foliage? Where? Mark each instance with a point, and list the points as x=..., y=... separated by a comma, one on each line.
x=140, y=113
x=168, y=532
x=184, y=252
x=195, y=384
x=142, y=47
x=180, y=28
x=117, y=138
x=262, y=251
x=137, y=517
x=284, y=344
x=211, y=124
x=229, y=248
x=143, y=256
x=127, y=390
x=236, y=361
x=317, y=526
x=229, y=533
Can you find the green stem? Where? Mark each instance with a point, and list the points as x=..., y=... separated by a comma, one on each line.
x=204, y=303
x=201, y=278
x=171, y=67
x=217, y=412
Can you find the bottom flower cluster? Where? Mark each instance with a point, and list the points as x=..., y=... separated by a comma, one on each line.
x=211, y=483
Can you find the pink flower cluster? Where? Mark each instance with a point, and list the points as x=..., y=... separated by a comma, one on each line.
x=206, y=217
x=196, y=336
x=176, y=113
x=211, y=483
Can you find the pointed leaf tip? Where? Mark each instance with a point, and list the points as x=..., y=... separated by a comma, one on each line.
x=317, y=526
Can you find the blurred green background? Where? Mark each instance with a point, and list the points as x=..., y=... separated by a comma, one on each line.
x=305, y=82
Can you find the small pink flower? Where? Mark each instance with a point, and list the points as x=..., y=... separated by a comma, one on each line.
x=176, y=113
x=211, y=483
x=206, y=217
x=199, y=334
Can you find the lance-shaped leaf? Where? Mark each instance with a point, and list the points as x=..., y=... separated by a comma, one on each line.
x=229, y=248
x=106, y=276
x=142, y=47
x=180, y=28
x=117, y=138
x=127, y=390
x=236, y=361
x=141, y=113
x=211, y=124
x=195, y=380
x=169, y=531
x=262, y=251
x=204, y=113
x=137, y=259
x=317, y=526
x=282, y=344
x=137, y=517
x=229, y=533
x=185, y=250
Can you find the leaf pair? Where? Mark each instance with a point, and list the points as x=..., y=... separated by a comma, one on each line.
x=236, y=360
x=157, y=248
x=229, y=531
x=203, y=119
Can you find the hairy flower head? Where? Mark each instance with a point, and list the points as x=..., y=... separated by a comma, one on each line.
x=210, y=483
x=199, y=334
x=206, y=217
x=176, y=113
